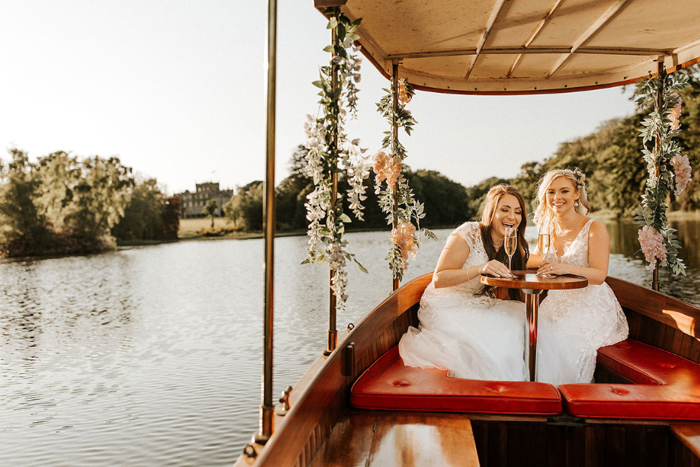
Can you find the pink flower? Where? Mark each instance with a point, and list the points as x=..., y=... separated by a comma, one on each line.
x=681, y=167
x=652, y=243
x=675, y=115
x=387, y=167
x=404, y=97
x=403, y=236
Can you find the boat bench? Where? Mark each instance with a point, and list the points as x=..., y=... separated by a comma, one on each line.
x=390, y=385
x=666, y=386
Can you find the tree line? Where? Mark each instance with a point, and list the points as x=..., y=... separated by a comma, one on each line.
x=63, y=205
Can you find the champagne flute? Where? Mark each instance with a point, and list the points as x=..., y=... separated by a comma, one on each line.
x=544, y=244
x=510, y=244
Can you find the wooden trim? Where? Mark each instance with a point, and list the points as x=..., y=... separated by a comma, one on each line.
x=530, y=51
x=595, y=27
x=316, y=408
x=689, y=435
x=329, y=3
x=657, y=306
x=484, y=37
x=535, y=32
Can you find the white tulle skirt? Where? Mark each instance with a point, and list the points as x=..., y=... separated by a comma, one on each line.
x=572, y=326
x=471, y=336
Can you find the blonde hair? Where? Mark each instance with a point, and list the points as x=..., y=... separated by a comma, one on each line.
x=544, y=215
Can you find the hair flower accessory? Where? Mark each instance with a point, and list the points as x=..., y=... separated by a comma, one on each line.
x=580, y=177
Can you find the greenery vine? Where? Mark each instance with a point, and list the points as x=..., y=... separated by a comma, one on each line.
x=403, y=212
x=331, y=154
x=669, y=170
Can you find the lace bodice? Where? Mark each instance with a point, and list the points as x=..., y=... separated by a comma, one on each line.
x=577, y=253
x=471, y=234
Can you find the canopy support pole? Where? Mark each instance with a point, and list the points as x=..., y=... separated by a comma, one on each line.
x=332, y=305
x=266, y=409
x=394, y=145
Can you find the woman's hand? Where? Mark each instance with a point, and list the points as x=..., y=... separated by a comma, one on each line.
x=495, y=268
x=552, y=267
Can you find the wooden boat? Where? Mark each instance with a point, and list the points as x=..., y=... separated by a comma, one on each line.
x=507, y=47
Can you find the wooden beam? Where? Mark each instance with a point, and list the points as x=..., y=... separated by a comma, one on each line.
x=531, y=51
x=533, y=35
x=487, y=30
x=595, y=27
x=329, y=3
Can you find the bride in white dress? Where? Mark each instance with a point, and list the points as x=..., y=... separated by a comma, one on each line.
x=463, y=328
x=574, y=324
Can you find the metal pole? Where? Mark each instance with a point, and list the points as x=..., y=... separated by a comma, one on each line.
x=657, y=149
x=332, y=331
x=266, y=409
x=394, y=145
x=532, y=304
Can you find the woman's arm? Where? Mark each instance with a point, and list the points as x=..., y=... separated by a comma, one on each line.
x=534, y=260
x=449, y=271
x=598, y=257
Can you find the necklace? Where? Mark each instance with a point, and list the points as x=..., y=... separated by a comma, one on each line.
x=498, y=246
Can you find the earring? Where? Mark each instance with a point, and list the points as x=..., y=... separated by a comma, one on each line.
x=576, y=203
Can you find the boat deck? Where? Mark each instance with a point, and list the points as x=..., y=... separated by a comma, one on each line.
x=372, y=438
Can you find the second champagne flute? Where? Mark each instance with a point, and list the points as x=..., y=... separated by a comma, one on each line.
x=510, y=244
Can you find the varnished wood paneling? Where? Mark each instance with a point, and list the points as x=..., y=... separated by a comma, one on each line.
x=572, y=442
x=685, y=445
x=420, y=439
x=662, y=308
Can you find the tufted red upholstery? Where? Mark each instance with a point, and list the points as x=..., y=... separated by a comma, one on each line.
x=666, y=386
x=389, y=385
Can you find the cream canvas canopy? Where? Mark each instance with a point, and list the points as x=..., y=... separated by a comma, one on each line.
x=525, y=46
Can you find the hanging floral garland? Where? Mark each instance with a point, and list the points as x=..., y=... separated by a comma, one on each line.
x=331, y=154
x=403, y=212
x=668, y=169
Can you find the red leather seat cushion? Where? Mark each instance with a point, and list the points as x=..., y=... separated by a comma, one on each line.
x=390, y=385
x=667, y=386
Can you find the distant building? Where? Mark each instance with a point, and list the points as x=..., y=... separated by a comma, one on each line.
x=192, y=204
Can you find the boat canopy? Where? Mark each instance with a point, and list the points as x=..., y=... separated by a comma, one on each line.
x=525, y=46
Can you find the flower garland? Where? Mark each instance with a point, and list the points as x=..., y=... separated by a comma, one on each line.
x=332, y=154
x=401, y=208
x=668, y=169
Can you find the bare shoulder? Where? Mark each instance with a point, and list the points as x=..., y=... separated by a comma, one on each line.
x=598, y=230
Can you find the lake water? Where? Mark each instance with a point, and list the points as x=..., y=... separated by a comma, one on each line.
x=152, y=356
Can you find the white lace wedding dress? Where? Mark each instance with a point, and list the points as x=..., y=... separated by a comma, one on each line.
x=472, y=336
x=574, y=324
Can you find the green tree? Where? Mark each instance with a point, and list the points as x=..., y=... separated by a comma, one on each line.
x=446, y=201
x=210, y=210
x=143, y=216
x=26, y=229
x=247, y=205
x=59, y=173
x=291, y=214
x=99, y=198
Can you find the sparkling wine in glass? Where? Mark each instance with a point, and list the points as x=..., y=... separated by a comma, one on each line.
x=545, y=246
x=510, y=244
x=543, y=243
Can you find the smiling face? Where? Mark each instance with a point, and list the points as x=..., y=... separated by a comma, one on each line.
x=508, y=214
x=561, y=195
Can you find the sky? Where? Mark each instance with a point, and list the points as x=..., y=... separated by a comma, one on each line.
x=177, y=90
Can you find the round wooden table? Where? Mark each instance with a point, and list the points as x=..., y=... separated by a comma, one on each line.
x=532, y=285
